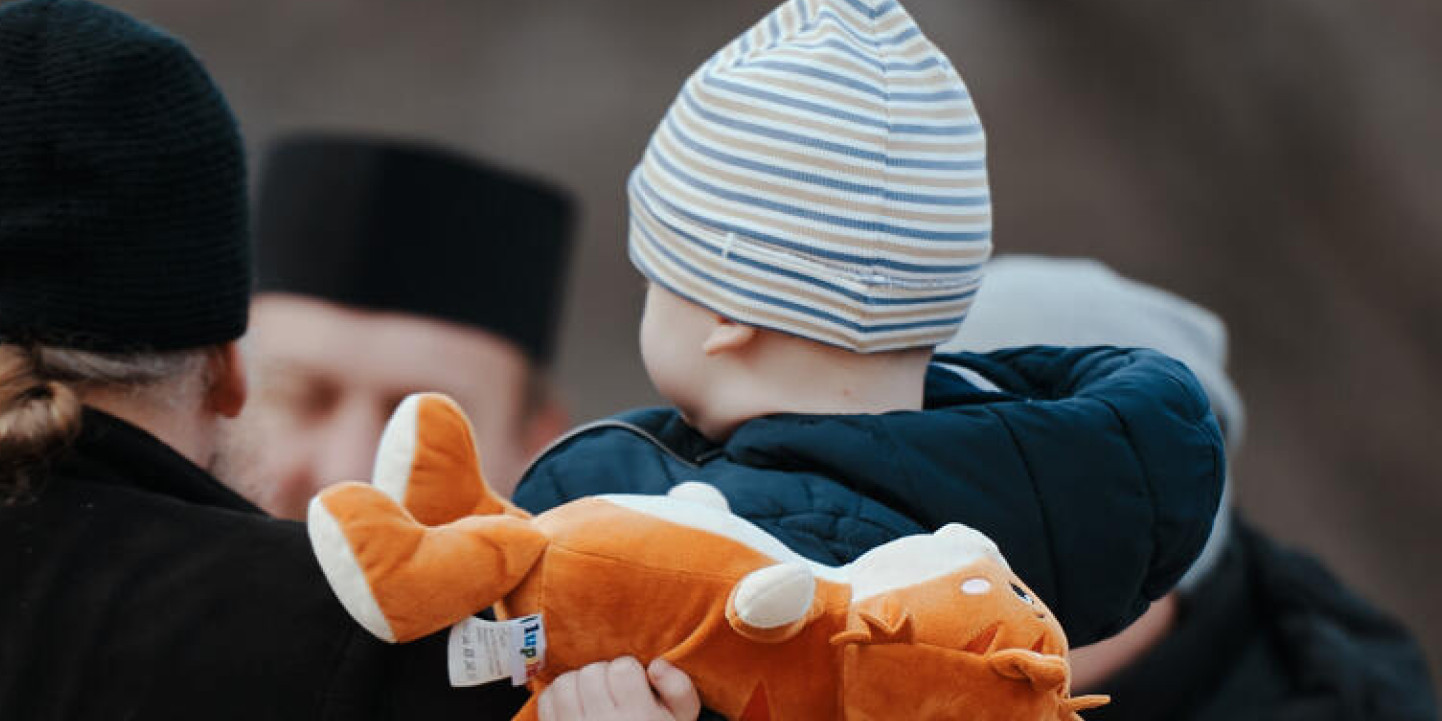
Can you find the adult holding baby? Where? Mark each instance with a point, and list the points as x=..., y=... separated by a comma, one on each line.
x=135, y=584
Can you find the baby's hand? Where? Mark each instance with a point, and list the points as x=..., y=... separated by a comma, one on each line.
x=618, y=691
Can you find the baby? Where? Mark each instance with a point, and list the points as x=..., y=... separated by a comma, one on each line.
x=813, y=216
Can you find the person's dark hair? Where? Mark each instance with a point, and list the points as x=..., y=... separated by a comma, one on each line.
x=40, y=405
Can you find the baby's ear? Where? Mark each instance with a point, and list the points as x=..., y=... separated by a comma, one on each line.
x=727, y=336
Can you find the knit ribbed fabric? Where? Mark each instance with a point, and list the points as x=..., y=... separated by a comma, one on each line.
x=822, y=175
x=122, y=186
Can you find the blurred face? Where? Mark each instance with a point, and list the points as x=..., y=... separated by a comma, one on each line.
x=673, y=333
x=326, y=379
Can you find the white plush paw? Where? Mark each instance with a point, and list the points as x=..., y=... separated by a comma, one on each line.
x=344, y=573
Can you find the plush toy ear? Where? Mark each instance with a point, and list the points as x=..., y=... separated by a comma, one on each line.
x=702, y=493
x=1044, y=672
x=427, y=462
x=879, y=619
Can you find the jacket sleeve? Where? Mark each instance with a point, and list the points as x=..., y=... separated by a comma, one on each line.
x=1127, y=466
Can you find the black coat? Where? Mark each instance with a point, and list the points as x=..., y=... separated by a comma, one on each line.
x=138, y=587
x=1097, y=470
x=1270, y=635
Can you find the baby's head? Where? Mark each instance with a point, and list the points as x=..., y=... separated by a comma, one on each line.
x=813, y=210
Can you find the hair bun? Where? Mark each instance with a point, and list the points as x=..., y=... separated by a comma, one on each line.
x=38, y=419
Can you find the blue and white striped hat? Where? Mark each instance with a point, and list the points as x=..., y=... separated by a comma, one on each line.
x=823, y=175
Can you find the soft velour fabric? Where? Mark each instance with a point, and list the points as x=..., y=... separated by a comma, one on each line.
x=925, y=627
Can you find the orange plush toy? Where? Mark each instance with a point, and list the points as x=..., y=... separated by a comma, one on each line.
x=925, y=627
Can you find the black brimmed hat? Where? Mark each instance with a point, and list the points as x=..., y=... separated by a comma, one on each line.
x=394, y=225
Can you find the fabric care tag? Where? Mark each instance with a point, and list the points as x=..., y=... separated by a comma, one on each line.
x=484, y=651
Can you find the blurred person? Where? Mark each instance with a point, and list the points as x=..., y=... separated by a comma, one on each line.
x=389, y=267
x=809, y=237
x=135, y=585
x=1254, y=630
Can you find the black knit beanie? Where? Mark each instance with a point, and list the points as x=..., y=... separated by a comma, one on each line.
x=122, y=186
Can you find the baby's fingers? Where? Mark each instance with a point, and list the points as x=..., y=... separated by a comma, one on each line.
x=675, y=689
x=621, y=691
x=629, y=686
x=561, y=701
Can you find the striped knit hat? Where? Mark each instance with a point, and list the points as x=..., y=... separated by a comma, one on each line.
x=823, y=175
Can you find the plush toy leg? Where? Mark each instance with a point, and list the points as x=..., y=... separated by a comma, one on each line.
x=773, y=604
x=427, y=462
x=1084, y=703
x=1045, y=672
x=402, y=580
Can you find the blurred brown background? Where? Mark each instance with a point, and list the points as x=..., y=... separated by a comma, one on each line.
x=1277, y=160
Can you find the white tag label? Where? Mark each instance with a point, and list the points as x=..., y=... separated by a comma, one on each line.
x=485, y=651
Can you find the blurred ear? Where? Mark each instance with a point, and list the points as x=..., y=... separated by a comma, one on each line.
x=228, y=386
x=545, y=424
x=728, y=336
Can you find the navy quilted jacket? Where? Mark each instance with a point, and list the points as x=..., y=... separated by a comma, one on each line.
x=1096, y=470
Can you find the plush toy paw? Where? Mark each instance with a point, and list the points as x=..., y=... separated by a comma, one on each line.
x=773, y=604
x=427, y=462
x=1044, y=672
x=402, y=580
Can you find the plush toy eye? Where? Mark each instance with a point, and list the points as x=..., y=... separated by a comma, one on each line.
x=1022, y=594
x=975, y=586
